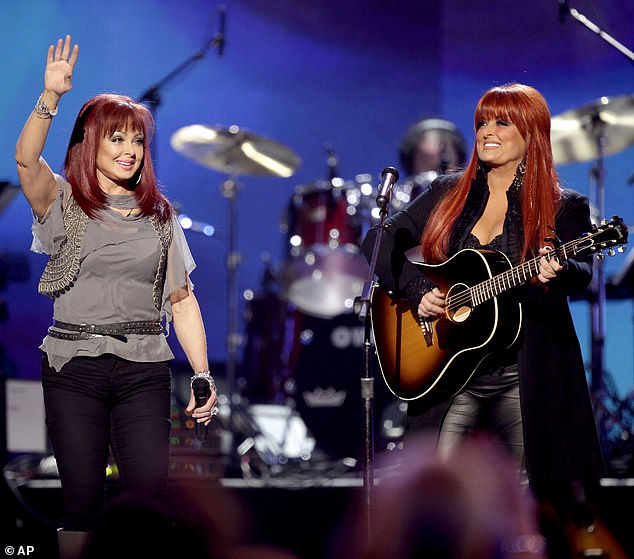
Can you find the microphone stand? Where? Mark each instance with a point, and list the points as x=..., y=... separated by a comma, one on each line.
x=362, y=306
x=152, y=96
x=565, y=9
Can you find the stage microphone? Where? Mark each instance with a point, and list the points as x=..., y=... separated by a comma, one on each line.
x=222, y=14
x=202, y=393
x=389, y=176
x=564, y=10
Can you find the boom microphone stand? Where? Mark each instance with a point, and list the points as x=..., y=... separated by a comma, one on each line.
x=565, y=9
x=152, y=95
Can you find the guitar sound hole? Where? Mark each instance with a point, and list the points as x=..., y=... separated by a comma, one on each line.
x=459, y=315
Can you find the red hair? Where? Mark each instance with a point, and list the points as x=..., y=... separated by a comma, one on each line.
x=527, y=109
x=100, y=117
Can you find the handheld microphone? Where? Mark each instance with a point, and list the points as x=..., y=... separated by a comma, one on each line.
x=202, y=393
x=389, y=176
x=222, y=15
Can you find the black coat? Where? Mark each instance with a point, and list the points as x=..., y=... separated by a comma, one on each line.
x=560, y=435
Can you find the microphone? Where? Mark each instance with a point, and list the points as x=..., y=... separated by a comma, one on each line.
x=202, y=393
x=222, y=15
x=563, y=10
x=389, y=176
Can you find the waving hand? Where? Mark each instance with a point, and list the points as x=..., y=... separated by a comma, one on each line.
x=58, y=76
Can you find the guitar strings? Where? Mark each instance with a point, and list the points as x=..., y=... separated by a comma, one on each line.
x=466, y=297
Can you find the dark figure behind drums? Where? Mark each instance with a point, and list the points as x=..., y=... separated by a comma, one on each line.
x=429, y=147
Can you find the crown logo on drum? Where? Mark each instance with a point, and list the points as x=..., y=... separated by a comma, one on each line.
x=324, y=397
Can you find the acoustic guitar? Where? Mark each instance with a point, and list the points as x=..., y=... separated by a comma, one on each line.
x=434, y=359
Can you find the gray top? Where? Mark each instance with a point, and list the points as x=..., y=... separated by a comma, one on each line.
x=118, y=262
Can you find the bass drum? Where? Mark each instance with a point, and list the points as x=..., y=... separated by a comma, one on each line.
x=324, y=269
x=327, y=374
x=315, y=365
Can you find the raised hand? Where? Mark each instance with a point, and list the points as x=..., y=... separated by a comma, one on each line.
x=58, y=76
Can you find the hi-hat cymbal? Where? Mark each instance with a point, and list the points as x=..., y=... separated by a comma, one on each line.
x=577, y=134
x=235, y=151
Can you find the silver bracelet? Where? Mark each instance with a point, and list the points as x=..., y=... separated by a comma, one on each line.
x=41, y=108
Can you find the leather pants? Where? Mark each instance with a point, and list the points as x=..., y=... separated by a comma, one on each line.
x=490, y=404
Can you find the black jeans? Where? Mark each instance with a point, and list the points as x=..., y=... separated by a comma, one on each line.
x=97, y=403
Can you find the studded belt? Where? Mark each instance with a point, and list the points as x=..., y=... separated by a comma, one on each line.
x=117, y=330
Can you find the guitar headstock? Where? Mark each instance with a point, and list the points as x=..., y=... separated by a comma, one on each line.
x=604, y=237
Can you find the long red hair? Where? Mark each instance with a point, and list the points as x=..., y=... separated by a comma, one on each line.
x=525, y=107
x=100, y=117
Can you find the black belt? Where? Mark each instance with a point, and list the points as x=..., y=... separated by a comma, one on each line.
x=114, y=329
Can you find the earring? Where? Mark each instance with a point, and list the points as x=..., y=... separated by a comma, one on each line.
x=138, y=179
x=481, y=167
x=521, y=168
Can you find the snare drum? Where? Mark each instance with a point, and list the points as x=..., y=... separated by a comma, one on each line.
x=324, y=269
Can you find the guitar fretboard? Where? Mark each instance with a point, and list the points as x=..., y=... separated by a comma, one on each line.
x=516, y=276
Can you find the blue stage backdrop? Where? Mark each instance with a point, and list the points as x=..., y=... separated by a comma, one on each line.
x=352, y=74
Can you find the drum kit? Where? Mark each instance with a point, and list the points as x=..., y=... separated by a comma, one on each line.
x=303, y=347
x=303, y=340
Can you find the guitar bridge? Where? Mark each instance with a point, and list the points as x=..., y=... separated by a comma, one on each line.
x=427, y=329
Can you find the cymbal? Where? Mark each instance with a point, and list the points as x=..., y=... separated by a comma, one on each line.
x=234, y=151
x=576, y=134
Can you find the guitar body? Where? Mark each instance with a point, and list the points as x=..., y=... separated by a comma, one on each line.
x=414, y=370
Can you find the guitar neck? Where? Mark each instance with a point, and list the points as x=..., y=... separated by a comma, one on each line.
x=486, y=290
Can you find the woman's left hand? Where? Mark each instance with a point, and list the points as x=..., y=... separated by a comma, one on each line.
x=549, y=267
x=205, y=413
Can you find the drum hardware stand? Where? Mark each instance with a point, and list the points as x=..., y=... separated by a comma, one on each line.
x=362, y=306
x=597, y=305
x=596, y=127
x=230, y=189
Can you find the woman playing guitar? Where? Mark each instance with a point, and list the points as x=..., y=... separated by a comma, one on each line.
x=527, y=386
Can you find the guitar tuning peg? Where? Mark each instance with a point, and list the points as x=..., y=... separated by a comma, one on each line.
x=621, y=249
x=604, y=222
x=611, y=252
x=600, y=256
